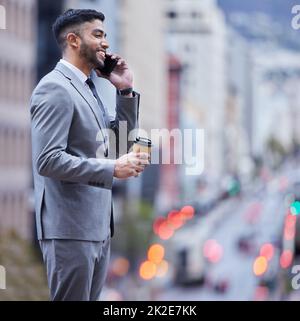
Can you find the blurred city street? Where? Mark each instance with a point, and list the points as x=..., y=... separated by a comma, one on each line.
x=231, y=240
x=234, y=273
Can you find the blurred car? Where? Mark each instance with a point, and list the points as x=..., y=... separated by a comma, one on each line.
x=219, y=286
x=296, y=190
x=222, y=286
x=186, y=248
x=246, y=243
x=297, y=238
x=185, y=253
x=231, y=186
x=219, y=283
x=270, y=280
x=205, y=205
x=294, y=198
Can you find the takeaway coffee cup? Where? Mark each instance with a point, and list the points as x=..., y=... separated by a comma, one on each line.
x=142, y=145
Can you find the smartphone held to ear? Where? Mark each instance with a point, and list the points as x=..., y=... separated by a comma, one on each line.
x=109, y=65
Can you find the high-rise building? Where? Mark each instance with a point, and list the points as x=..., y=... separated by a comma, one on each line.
x=17, y=72
x=275, y=91
x=142, y=43
x=141, y=34
x=169, y=190
x=238, y=117
x=197, y=35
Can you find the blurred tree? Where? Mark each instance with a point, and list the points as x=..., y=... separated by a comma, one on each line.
x=25, y=274
x=134, y=231
x=276, y=152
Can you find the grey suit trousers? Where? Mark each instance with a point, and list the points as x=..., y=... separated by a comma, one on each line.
x=76, y=270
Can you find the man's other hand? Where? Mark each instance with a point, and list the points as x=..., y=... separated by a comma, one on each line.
x=131, y=165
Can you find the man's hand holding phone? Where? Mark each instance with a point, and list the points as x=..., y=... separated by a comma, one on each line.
x=116, y=71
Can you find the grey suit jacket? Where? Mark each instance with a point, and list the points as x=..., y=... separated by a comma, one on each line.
x=72, y=186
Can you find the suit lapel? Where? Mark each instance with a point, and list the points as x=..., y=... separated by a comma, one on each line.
x=93, y=105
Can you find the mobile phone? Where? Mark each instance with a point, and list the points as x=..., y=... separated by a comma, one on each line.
x=109, y=65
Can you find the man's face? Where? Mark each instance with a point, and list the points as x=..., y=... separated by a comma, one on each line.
x=93, y=43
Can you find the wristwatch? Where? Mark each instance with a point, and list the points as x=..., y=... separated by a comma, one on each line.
x=125, y=91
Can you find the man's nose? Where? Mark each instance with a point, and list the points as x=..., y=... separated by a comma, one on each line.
x=104, y=44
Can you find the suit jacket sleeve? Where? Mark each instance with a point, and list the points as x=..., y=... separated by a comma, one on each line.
x=51, y=117
x=127, y=109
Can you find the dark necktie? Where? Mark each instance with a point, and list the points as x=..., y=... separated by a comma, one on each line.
x=104, y=116
x=94, y=91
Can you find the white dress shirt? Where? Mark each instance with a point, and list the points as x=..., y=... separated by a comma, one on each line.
x=83, y=77
x=79, y=74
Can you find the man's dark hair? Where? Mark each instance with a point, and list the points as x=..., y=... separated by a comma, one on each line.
x=70, y=21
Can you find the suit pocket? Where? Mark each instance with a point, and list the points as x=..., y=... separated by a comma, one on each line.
x=69, y=183
x=75, y=188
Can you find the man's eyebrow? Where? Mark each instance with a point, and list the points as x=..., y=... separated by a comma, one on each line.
x=99, y=31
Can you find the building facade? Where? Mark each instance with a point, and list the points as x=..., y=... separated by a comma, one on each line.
x=275, y=90
x=18, y=73
x=196, y=34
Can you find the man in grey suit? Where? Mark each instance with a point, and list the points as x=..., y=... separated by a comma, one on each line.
x=72, y=175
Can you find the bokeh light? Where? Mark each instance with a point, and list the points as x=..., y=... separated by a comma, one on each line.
x=175, y=219
x=260, y=265
x=165, y=227
x=165, y=230
x=261, y=293
x=295, y=208
x=120, y=266
x=156, y=253
x=111, y=295
x=289, y=233
x=147, y=270
x=290, y=221
x=289, y=227
x=162, y=268
x=213, y=251
x=267, y=250
x=187, y=212
x=286, y=259
x=157, y=222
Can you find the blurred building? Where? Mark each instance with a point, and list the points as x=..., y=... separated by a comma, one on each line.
x=197, y=35
x=48, y=52
x=141, y=42
x=17, y=72
x=276, y=110
x=141, y=36
x=170, y=187
x=238, y=116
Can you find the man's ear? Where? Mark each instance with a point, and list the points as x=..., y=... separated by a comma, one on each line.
x=73, y=40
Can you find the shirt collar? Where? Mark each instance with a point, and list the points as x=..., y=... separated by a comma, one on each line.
x=80, y=75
